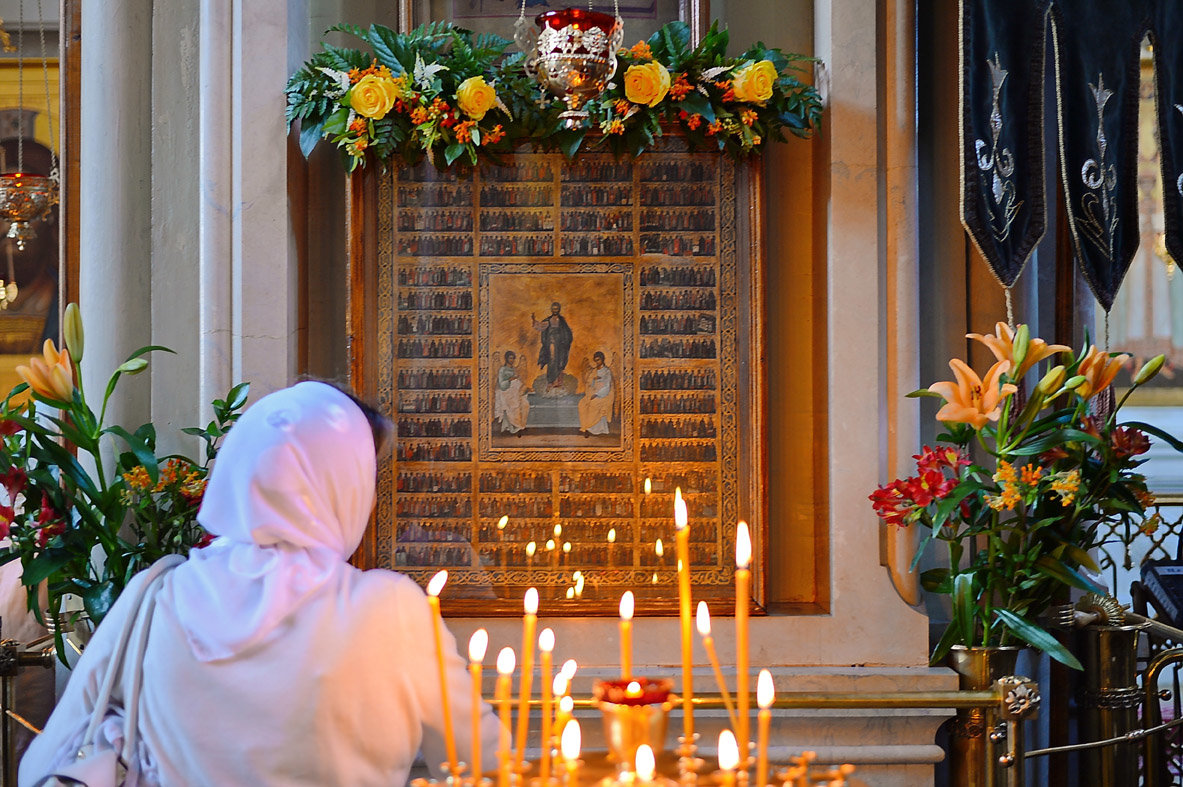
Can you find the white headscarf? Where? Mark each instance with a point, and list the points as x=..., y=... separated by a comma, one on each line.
x=289, y=497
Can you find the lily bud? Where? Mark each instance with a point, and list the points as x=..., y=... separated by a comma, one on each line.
x=1051, y=381
x=1075, y=381
x=1149, y=370
x=72, y=329
x=1021, y=343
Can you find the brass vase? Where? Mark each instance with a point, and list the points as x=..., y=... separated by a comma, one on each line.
x=973, y=757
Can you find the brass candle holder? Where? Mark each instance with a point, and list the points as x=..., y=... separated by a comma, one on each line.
x=635, y=712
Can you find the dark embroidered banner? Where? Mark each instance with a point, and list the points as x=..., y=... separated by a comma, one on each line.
x=1098, y=49
x=1003, y=206
x=1097, y=46
x=1167, y=22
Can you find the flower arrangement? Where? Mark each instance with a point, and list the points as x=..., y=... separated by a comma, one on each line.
x=63, y=508
x=442, y=93
x=1020, y=486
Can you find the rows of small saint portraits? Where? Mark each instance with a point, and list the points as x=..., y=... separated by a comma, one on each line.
x=661, y=324
x=651, y=450
x=576, y=195
x=543, y=245
x=441, y=347
x=675, y=219
x=461, y=276
x=546, y=538
x=672, y=428
x=579, y=555
x=591, y=481
x=588, y=169
x=524, y=506
x=459, y=402
x=460, y=378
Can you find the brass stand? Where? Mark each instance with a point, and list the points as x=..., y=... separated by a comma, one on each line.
x=973, y=761
x=1109, y=703
x=14, y=658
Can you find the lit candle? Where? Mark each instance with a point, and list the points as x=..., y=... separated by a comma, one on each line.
x=505, y=665
x=764, y=696
x=646, y=764
x=524, y=684
x=648, y=485
x=566, y=707
x=546, y=644
x=728, y=758
x=743, y=559
x=682, y=542
x=477, y=645
x=531, y=548
x=434, y=588
x=703, y=621
x=579, y=580
x=558, y=531
x=570, y=593
x=569, y=747
x=626, y=635
x=611, y=544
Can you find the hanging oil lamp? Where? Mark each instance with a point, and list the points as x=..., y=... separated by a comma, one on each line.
x=24, y=196
x=572, y=55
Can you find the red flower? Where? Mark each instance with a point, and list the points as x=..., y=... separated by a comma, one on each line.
x=891, y=504
x=7, y=517
x=14, y=481
x=47, y=513
x=1091, y=426
x=205, y=540
x=9, y=428
x=1128, y=441
x=49, y=531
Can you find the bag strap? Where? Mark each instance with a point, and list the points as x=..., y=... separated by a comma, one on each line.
x=137, y=622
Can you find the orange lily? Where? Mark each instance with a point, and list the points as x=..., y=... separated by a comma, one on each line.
x=1098, y=370
x=1002, y=344
x=972, y=400
x=51, y=375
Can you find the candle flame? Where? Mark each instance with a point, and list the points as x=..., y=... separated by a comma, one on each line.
x=531, y=601
x=612, y=536
x=550, y=545
x=570, y=742
x=764, y=690
x=570, y=593
x=566, y=703
x=703, y=619
x=502, y=522
x=659, y=548
x=646, y=765
x=743, y=545
x=478, y=643
x=728, y=751
x=680, y=514
x=558, y=530
x=558, y=686
x=633, y=689
x=436, y=585
x=579, y=583
x=531, y=548
x=648, y=485
x=654, y=579
x=568, y=669
x=506, y=660
x=626, y=605
x=546, y=640
x=567, y=546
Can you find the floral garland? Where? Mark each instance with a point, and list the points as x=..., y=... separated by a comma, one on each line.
x=443, y=94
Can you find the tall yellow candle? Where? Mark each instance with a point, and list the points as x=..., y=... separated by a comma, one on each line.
x=743, y=577
x=529, y=621
x=764, y=697
x=703, y=621
x=682, y=538
x=505, y=665
x=728, y=758
x=626, y=635
x=477, y=645
x=434, y=588
x=569, y=746
x=546, y=644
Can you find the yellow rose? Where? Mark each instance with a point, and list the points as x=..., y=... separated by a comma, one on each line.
x=373, y=96
x=475, y=97
x=646, y=83
x=753, y=83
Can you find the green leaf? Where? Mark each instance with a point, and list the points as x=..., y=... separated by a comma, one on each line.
x=697, y=104
x=1036, y=637
x=946, y=643
x=98, y=599
x=1081, y=557
x=1166, y=437
x=964, y=604
x=138, y=447
x=453, y=152
x=42, y=567
x=310, y=134
x=936, y=580
x=1065, y=574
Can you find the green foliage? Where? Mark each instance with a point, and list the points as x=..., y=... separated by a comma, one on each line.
x=427, y=66
x=60, y=514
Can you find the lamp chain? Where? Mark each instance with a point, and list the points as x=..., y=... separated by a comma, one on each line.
x=53, y=158
x=20, y=91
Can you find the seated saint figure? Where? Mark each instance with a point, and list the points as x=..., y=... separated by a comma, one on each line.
x=270, y=659
x=595, y=408
x=510, y=405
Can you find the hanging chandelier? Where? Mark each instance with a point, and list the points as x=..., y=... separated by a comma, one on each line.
x=573, y=56
x=24, y=196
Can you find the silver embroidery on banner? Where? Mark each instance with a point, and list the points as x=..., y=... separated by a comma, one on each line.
x=996, y=164
x=1098, y=218
x=1179, y=180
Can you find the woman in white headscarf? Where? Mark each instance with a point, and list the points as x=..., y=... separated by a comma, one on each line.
x=271, y=660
